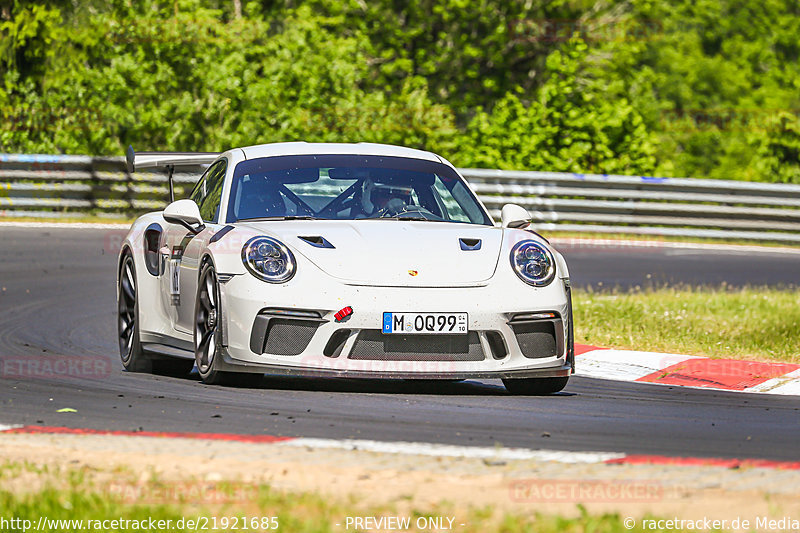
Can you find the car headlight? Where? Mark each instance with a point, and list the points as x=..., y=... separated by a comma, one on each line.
x=268, y=259
x=533, y=263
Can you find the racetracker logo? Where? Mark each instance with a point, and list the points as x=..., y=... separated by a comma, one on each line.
x=585, y=491
x=199, y=492
x=112, y=241
x=389, y=368
x=55, y=367
x=232, y=244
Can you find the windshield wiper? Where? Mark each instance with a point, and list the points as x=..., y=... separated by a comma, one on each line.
x=287, y=217
x=401, y=217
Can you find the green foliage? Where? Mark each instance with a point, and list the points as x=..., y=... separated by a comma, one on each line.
x=192, y=81
x=471, y=52
x=571, y=126
x=698, y=88
x=714, y=81
x=779, y=148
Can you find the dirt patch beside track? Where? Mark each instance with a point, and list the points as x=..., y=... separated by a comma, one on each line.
x=409, y=481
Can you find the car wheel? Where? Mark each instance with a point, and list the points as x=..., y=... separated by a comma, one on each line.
x=207, y=313
x=206, y=326
x=130, y=348
x=535, y=386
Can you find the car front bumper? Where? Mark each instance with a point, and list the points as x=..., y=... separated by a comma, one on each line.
x=290, y=329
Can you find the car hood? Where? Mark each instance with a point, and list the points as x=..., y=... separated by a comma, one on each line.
x=393, y=253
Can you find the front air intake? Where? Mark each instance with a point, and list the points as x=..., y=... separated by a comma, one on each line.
x=374, y=346
x=289, y=337
x=536, y=339
x=336, y=343
x=283, y=331
x=539, y=335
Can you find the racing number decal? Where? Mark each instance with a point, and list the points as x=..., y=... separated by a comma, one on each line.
x=175, y=269
x=174, y=275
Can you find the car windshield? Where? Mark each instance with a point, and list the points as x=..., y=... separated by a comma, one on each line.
x=351, y=187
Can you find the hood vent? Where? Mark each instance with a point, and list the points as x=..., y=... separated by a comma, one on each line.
x=317, y=241
x=470, y=244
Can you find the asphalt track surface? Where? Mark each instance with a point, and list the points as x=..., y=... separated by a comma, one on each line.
x=58, y=301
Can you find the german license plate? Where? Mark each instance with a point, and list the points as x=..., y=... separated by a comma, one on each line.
x=428, y=323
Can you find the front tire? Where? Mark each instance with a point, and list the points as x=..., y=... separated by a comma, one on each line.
x=206, y=327
x=130, y=348
x=535, y=386
x=207, y=316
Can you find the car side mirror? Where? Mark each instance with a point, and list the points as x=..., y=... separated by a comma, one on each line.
x=514, y=216
x=186, y=213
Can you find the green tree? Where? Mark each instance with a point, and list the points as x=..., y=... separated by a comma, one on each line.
x=570, y=126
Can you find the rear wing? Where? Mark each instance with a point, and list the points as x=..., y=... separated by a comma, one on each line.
x=167, y=160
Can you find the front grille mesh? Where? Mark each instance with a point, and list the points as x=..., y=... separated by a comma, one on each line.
x=536, y=339
x=373, y=345
x=289, y=337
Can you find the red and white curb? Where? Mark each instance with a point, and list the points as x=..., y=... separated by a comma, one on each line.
x=421, y=448
x=688, y=370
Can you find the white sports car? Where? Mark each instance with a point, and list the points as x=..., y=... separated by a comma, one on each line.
x=347, y=260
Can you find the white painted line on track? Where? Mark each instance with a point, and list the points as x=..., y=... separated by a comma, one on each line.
x=408, y=448
x=446, y=450
x=623, y=243
x=64, y=225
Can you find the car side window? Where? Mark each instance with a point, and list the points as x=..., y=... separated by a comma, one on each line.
x=211, y=190
x=454, y=208
x=199, y=192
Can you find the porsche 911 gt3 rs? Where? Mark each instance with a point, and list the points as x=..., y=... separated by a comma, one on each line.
x=348, y=260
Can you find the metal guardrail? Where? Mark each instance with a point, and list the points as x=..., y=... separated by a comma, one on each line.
x=65, y=186
x=58, y=186
x=645, y=205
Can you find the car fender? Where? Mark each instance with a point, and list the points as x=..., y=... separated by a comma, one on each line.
x=152, y=315
x=224, y=249
x=561, y=264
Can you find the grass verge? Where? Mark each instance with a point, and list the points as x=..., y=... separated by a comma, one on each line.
x=749, y=323
x=71, y=502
